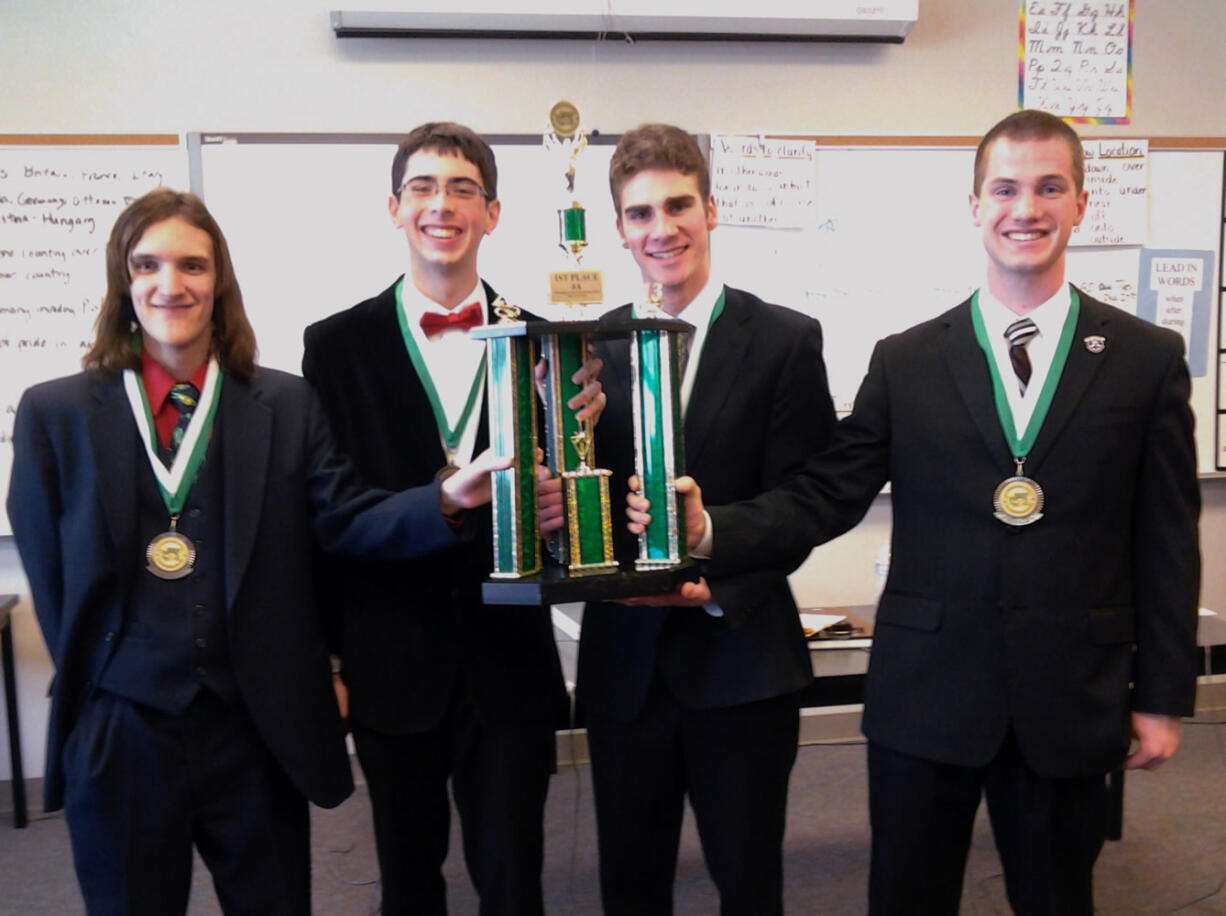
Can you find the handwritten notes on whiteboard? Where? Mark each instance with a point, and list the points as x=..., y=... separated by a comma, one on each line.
x=764, y=182
x=57, y=207
x=1076, y=59
x=1117, y=179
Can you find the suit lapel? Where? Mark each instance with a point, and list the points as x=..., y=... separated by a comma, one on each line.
x=245, y=426
x=117, y=460
x=968, y=365
x=406, y=407
x=1079, y=372
x=720, y=364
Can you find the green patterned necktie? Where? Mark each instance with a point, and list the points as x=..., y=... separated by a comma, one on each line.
x=185, y=396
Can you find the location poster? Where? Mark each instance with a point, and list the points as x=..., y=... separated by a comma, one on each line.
x=1117, y=182
x=1075, y=59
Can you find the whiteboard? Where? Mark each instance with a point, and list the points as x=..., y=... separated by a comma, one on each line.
x=892, y=244
x=307, y=223
x=57, y=206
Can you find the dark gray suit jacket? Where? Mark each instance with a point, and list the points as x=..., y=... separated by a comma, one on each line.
x=411, y=631
x=1058, y=628
x=760, y=406
x=73, y=505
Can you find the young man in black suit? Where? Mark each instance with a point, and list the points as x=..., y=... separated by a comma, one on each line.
x=166, y=503
x=437, y=685
x=1041, y=604
x=701, y=701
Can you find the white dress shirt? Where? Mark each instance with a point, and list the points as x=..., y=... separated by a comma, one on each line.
x=453, y=359
x=1049, y=319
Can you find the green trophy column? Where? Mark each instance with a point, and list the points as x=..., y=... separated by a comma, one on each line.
x=659, y=447
x=512, y=417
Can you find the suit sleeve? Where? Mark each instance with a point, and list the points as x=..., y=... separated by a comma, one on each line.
x=801, y=423
x=353, y=520
x=34, y=508
x=1166, y=553
x=826, y=498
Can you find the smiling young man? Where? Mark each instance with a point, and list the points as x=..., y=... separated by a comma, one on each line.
x=439, y=687
x=691, y=701
x=1041, y=603
x=166, y=503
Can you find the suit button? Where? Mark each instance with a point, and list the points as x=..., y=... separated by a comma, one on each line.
x=201, y=642
x=198, y=610
x=108, y=637
x=200, y=671
x=193, y=513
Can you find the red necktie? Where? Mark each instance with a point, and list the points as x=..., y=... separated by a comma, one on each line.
x=468, y=316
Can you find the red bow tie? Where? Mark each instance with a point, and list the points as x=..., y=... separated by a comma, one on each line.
x=468, y=316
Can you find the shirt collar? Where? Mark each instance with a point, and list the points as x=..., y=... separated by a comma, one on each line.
x=158, y=381
x=417, y=303
x=1048, y=317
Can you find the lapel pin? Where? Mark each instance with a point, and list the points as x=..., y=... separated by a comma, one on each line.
x=1096, y=343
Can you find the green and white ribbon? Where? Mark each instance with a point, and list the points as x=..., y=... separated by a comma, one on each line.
x=175, y=482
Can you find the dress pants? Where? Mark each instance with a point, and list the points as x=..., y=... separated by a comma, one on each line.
x=1048, y=832
x=734, y=762
x=499, y=777
x=144, y=785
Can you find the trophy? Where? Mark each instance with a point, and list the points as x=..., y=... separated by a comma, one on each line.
x=579, y=564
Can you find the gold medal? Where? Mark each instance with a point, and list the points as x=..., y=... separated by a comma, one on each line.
x=445, y=471
x=1018, y=500
x=564, y=119
x=170, y=555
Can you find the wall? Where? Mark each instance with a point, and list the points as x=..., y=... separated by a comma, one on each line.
x=274, y=65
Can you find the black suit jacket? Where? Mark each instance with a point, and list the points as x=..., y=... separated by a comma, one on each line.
x=410, y=631
x=1059, y=627
x=760, y=406
x=73, y=504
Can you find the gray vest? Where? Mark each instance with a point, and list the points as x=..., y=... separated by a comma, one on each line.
x=173, y=642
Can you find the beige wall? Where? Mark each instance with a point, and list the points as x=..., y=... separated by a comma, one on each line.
x=129, y=66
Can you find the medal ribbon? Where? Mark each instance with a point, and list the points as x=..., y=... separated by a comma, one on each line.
x=175, y=482
x=1021, y=445
x=451, y=437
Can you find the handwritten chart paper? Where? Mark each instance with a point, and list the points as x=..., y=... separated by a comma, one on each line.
x=764, y=182
x=57, y=207
x=1076, y=59
x=1117, y=179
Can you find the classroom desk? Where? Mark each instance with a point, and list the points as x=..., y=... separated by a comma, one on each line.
x=7, y=602
x=839, y=664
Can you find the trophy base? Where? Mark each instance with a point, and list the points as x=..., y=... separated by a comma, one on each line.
x=555, y=586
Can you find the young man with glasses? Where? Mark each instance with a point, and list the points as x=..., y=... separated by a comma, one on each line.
x=438, y=686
